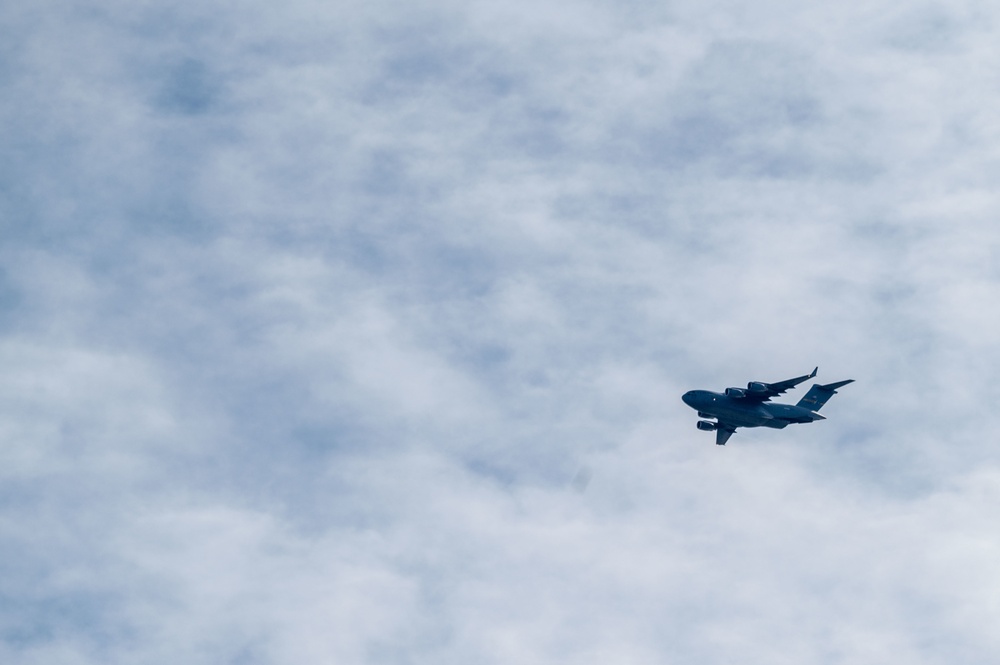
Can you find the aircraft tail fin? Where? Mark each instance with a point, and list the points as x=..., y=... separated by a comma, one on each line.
x=819, y=395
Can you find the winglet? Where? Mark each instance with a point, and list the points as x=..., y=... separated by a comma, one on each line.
x=816, y=369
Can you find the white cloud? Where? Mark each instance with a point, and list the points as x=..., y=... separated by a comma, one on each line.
x=314, y=312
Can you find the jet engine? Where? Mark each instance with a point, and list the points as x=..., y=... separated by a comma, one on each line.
x=702, y=414
x=735, y=392
x=707, y=426
x=757, y=387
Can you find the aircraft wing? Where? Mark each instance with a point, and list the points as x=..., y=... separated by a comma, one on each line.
x=723, y=432
x=774, y=389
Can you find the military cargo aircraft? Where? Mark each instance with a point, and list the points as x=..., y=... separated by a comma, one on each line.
x=752, y=407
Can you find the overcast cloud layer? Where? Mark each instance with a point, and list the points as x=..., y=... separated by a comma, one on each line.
x=355, y=332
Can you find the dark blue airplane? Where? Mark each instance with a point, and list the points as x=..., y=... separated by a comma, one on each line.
x=737, y=407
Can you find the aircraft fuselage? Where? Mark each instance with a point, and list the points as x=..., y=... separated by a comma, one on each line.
x=739, y=413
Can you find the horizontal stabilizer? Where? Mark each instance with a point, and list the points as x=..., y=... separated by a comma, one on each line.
x=818, y=395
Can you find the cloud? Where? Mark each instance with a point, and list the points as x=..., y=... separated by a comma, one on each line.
x=318, y=320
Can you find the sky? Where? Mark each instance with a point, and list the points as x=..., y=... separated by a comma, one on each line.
x=355, y=332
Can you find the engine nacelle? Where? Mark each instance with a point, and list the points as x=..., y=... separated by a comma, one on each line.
x=735, y=392
x=707, y=426
x=702, y=414
x=757, y=387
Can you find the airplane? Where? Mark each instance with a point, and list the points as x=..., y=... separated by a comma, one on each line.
x=752, y=407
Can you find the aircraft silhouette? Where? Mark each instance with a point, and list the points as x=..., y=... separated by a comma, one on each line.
x=752, y=407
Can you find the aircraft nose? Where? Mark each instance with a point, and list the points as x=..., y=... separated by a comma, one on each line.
x=688, y=397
